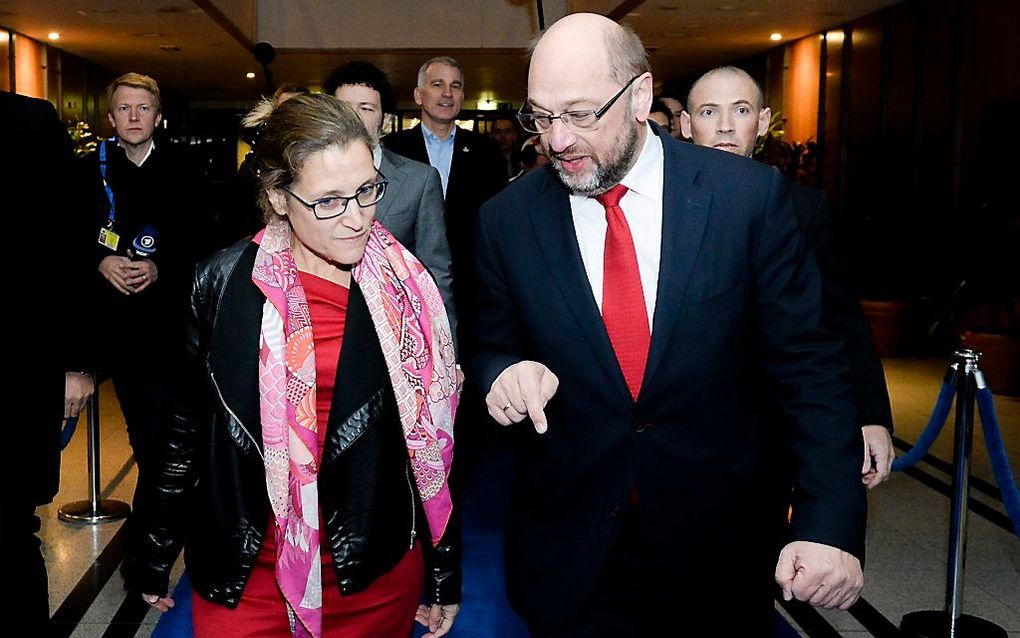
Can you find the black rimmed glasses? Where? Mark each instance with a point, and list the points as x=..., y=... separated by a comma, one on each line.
x=336, y=205
x=577, y=120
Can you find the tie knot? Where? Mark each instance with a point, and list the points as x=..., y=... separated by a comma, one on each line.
x=612, y=197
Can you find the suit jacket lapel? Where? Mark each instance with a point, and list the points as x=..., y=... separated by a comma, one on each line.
x=685, y=209
x=553, y=225
x=419, y=152
x=461, y=155
x=390, y=167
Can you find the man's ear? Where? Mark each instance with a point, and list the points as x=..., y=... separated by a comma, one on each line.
x=685, y=124
x=764, y=119
x=113, y=123
x=641, y=97
x=278, y=200
x=417, y=95
x=159, y=118
x=386, y=119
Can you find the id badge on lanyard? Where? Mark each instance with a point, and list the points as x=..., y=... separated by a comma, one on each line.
x=107, y=236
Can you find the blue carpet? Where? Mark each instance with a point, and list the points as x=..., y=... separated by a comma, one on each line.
x=484, y=611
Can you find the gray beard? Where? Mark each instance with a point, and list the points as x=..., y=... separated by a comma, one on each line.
x=606, y=175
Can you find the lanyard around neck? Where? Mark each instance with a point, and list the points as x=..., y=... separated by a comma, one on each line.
x=102, y=171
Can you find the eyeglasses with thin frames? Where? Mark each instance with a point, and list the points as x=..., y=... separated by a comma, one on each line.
x=336, y=205
x=585, y=120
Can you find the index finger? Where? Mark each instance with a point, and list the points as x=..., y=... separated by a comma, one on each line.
x=536, y=412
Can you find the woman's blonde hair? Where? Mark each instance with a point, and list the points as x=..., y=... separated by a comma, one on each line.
x=293, y=131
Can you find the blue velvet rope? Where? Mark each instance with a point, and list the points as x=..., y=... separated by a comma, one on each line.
x=68, y=431
x=934, y=427
x=997, y=454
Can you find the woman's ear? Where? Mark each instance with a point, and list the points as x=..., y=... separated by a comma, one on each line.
x=278, y=199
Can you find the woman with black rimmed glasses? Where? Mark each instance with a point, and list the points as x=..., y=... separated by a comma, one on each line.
x=305, y=463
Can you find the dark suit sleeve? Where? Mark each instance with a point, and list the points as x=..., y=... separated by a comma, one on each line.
x=842, y=313
x=76, y=334
x=430, y=240
x=408, y=143
x=498, y=335
x=807, y=372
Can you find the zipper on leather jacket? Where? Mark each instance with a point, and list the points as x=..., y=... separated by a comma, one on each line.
x=232, y=414
x=414, y=510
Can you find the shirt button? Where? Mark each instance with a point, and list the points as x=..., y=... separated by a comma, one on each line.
x=616, y=511
x=639, y=426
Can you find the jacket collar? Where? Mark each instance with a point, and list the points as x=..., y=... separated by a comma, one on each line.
x=391, y=165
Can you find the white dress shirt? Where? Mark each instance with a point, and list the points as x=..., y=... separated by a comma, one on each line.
x=642, y=206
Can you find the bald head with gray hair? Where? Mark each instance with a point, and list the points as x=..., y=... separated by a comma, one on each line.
x=627, y=56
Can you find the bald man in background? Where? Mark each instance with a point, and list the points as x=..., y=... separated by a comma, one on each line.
x=728, y=113
x=633, y=307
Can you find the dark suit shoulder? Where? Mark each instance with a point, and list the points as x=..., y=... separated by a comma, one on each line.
x=719, y=168
x=403, y=142
x=811, y=204
x=476, y=140
x=524, y=192
x=25, y=107
x=411, y=168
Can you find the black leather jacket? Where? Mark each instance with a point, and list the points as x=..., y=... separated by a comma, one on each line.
x=208, y=487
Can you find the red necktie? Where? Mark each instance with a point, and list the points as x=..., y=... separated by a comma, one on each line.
x=623, y=300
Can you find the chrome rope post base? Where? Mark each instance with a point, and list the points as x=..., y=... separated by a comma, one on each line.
x=94, y=510
x=952, y=622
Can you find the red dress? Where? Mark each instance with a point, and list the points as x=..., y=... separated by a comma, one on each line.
x=388, y=605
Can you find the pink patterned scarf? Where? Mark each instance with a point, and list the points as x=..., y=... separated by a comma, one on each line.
x=411, y=324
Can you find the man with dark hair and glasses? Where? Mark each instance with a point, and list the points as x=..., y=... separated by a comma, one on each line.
x=637, y=300
x=413, y=207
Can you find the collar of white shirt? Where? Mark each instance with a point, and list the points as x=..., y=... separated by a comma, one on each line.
x=642, y=206
x=645, y=177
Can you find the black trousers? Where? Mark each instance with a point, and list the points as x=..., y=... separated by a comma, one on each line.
x=141, y=394
x=26, y=603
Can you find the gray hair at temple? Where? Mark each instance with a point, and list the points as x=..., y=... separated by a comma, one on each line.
x=442, y=59
x=727, y=70
x=627, y=56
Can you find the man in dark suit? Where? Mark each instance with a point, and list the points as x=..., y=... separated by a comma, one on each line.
x=634, y=304
x=40, y=184
x=728, y=112
x=470, y=165
x=413, y=206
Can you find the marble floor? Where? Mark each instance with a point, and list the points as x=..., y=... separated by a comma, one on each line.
x=906, y=536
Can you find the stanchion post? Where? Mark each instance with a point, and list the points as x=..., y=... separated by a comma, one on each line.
x=966, y=362
x=952, y=622
x=94, y=510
